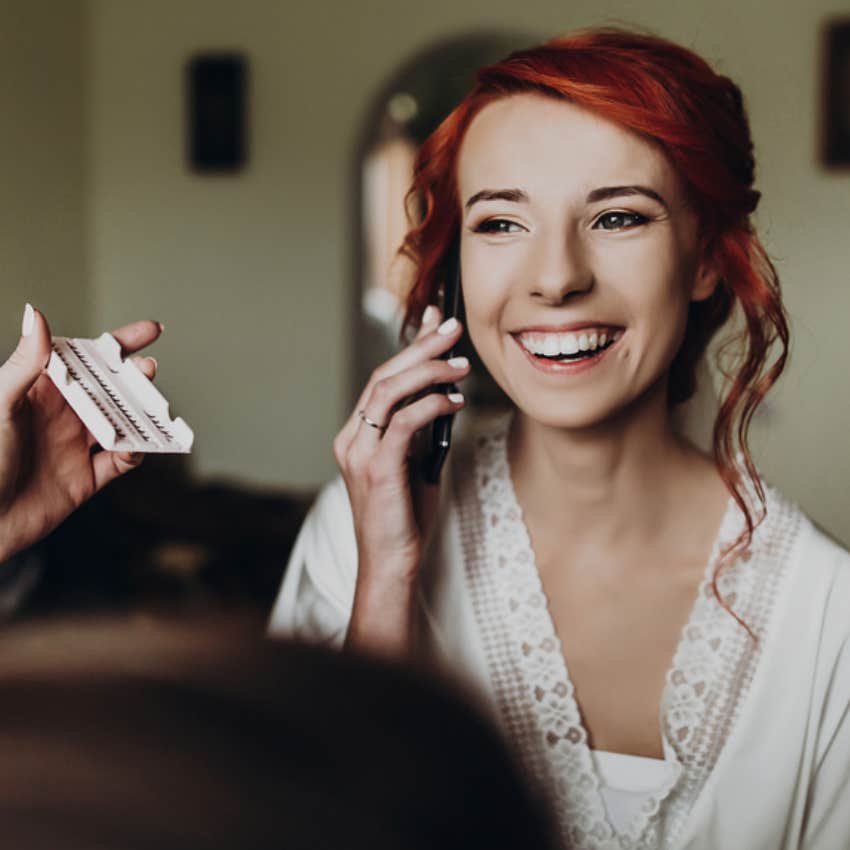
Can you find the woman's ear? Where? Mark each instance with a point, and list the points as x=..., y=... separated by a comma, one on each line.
x=706, y=279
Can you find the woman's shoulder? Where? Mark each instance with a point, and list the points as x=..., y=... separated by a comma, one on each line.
x=818, y=565
x=818, y=549
x=824, y=558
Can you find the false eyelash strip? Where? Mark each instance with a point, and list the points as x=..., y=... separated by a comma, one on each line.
x=121, y=408
x=117, y=405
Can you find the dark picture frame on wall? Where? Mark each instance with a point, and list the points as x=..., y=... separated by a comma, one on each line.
x=835, y=146
x=216, y=101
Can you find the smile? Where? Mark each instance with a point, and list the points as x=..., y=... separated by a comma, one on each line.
x=567, y=352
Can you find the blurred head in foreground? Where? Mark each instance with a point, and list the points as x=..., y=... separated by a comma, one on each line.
x=132, y=735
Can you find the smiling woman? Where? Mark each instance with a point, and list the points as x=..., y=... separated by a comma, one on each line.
x=631, y=608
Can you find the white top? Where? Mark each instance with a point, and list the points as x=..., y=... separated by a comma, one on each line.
x=627, y=782
x=756, y=737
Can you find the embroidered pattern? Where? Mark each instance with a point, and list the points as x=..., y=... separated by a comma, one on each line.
x=705, y=687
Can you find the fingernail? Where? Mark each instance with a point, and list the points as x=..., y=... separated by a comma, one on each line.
x=28, y=322
x=155, y=364
x=430, y=315
x=457, y=398
x=161, y=326
x=458, y=362
x=447, y=327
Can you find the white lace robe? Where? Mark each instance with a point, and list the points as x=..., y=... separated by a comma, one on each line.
x=758, y=736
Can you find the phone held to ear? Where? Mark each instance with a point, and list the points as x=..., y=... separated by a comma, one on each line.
x=441, y=430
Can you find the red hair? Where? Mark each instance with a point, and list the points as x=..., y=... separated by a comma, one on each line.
x=671, y=97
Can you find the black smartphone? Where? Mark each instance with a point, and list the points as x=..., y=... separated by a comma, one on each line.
x=441, y=430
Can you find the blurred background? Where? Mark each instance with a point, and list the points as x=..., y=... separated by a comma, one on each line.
x=274, y=280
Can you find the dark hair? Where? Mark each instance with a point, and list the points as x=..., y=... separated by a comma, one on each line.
x=231, y=744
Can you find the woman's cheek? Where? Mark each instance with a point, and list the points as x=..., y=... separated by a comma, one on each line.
x=484, y=306
x=484, y=283
x=480, y=316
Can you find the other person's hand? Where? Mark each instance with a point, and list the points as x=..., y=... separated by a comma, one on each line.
x=49, y=463
x=391, y=505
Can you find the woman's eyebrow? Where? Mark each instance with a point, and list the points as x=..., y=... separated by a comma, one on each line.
x=516, y=196
x=606, y=192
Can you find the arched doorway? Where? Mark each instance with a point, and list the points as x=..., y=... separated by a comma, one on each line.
x=404, y=112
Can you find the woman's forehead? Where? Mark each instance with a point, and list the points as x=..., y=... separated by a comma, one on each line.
x=545, y=145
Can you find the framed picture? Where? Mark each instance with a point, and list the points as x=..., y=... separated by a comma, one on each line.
x=836, y=113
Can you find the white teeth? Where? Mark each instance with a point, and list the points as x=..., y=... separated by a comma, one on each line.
x=569, y=344
x=551, y=346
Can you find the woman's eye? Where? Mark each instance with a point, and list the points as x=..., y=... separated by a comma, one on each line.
x=498, y=225
x=619, y=220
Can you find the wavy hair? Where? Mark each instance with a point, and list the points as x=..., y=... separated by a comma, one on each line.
x=671, y=97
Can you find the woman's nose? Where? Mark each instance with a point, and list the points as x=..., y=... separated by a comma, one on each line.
x=562, y=268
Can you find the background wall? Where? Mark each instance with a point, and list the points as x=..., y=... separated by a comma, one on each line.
x=250, y=273
x=43, y=80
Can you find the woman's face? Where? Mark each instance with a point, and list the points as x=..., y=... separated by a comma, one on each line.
x=575, y=231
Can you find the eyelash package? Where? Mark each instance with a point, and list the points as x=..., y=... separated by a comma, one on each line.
x=122, y=408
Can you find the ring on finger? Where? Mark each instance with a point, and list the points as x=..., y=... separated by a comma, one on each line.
x=371, y=423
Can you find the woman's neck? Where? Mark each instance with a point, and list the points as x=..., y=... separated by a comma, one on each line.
x=617, y=485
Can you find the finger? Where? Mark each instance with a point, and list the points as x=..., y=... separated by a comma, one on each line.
x=26, y=362
x=137, y=335
x=431, y=319
x=108, y=466
x=147, y=366
x=395, y=446
x=431, y=345
x=389, y=393
x=420, y=350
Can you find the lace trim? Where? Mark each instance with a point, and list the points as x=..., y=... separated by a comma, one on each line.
x=709, y=678
x=511, y=697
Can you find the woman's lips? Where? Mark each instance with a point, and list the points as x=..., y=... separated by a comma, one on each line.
x=564, y=367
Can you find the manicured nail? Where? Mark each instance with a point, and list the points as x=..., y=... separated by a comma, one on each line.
x=456, y=398
x=28, y=322
x=447, y=327
x=430, y=315
x=458, y=362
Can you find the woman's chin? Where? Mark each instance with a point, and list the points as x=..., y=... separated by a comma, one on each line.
x=564, y=414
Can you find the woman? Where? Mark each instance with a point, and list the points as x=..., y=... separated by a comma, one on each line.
x=662, y=635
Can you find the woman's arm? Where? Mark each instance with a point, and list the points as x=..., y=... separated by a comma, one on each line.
x=392, y=508
x=47, y=468
x=382, y=620
x=324, y=597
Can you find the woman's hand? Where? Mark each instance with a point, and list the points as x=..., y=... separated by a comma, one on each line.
x=392, y=507
x=47, y=464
